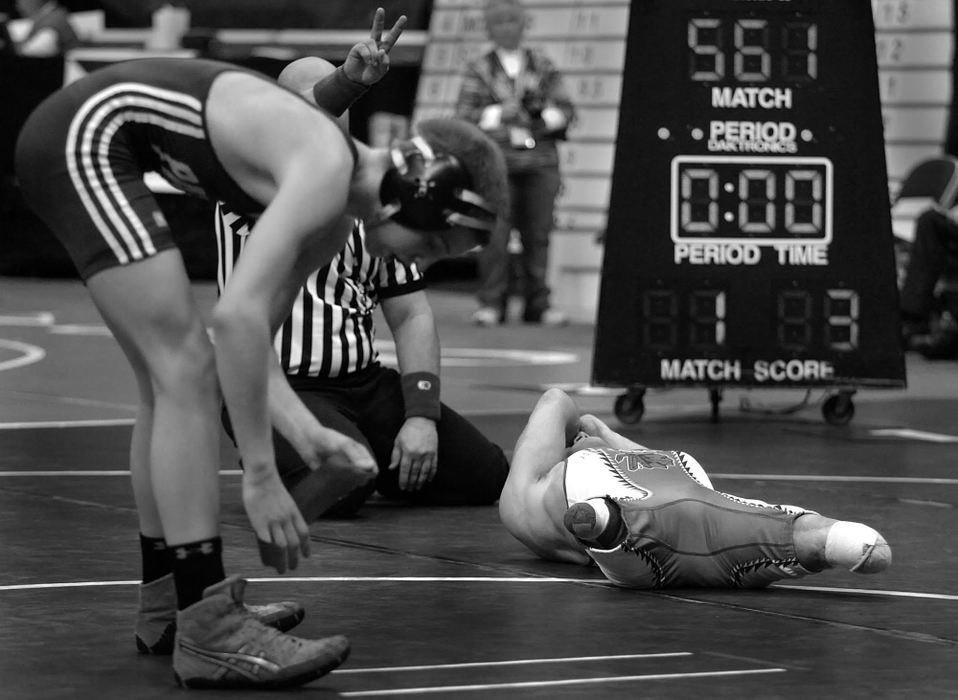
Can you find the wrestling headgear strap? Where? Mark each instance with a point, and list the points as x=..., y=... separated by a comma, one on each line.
x=429, y=190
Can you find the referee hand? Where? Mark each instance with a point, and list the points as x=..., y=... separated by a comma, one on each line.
x=415, y=453
x=368, y=61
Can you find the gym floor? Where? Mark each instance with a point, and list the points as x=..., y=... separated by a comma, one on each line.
x=442, y=602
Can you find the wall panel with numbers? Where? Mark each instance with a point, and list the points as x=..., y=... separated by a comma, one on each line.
x=586, y=40
x=915, y=45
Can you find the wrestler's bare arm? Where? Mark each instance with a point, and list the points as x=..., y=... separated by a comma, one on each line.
x=532, y=502
x=594, y=427
x=296, y=161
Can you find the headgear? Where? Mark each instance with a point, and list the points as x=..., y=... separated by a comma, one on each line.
x=429, y=190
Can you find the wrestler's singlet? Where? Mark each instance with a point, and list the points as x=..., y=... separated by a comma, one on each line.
x=82, y=154
x=681, y=531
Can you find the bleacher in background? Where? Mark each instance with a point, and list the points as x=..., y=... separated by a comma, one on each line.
x=914, y=44
x=915, y=49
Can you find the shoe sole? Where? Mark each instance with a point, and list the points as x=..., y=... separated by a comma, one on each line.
x=275, y=684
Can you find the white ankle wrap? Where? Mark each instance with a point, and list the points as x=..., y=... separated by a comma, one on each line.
x=857, y=548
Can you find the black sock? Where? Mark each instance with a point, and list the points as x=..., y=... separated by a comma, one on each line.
x=156, y=558
x=196, y=566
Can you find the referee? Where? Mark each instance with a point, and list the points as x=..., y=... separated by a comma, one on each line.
x=426, y=452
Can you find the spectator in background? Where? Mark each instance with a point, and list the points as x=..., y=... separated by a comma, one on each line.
x=48, y=33
x=515, y=94
x=933, y=256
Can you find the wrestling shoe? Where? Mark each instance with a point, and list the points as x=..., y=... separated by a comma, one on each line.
x=856, y=547
x=596, y=523
x=156, y=619
x=220, y=644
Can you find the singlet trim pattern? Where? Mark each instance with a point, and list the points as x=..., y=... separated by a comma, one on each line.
x=658, y=574
x=740, y=571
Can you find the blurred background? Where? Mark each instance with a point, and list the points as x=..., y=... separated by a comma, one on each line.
x=586, y=38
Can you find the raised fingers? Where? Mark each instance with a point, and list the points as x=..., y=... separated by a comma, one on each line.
x=379, y=21
x=389, y=38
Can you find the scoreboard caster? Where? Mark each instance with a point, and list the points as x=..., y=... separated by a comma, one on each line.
x=630, y=406
x=839, y=409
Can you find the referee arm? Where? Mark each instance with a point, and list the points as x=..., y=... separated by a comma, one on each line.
x=415, y=449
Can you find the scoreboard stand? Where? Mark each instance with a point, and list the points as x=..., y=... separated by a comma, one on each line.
x=838, y=407
x=749, y=240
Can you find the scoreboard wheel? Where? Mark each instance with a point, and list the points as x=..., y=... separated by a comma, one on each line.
x=630, y=406
x=839, y=409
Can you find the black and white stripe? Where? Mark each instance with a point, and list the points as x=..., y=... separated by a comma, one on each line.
x=88, y=156
x=330, y=331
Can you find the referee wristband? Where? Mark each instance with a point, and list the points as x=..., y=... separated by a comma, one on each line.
x=420, y=392
x=336, y=93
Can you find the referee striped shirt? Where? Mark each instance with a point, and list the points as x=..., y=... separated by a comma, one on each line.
x=330, y=331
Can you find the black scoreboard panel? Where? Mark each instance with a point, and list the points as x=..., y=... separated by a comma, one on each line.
x=749, y=238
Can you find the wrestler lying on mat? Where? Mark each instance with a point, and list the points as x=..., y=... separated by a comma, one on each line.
x=578, y=491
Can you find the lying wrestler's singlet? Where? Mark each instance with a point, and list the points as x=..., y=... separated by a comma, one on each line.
x=681, y=531
x=82, y=154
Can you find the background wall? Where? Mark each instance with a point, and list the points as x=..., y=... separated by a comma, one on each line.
x=915, y=52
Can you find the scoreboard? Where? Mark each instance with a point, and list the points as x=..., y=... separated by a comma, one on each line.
x=749, y=235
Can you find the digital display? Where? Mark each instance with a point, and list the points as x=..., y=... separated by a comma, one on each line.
x=802, y=319
x=754, y=50
x=760, y=200
x=749, y=235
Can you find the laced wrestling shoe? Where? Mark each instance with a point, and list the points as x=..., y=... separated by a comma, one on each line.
x=857, y=548
x=220, y=644
x=156, y=619
x=596, y=522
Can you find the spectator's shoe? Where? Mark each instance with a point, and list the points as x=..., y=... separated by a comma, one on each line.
x=221, y=644
x=940, y=345
x=156, y=620
x=913, y=329
x=856, y=547
x=546, y=317
x=596, y=523
x=486, y=316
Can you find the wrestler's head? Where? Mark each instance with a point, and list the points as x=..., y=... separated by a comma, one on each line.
x=444, y=193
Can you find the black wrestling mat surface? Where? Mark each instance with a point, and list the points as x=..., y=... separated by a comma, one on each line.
x=442, y=602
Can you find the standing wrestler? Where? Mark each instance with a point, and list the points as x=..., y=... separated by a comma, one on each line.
x=426, y=452
x=580, y=492
x=218, y=131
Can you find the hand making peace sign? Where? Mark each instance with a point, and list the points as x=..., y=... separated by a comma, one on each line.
x=368, y=61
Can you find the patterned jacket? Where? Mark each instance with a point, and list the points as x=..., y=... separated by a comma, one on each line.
x=486, y=83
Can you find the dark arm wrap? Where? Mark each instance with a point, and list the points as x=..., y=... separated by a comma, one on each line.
x=420, y=391
x=336, y=93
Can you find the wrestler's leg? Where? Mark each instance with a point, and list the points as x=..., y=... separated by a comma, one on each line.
x=150, y=307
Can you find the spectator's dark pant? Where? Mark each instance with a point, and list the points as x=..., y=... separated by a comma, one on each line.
x=532, y=201
x=934, y=253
